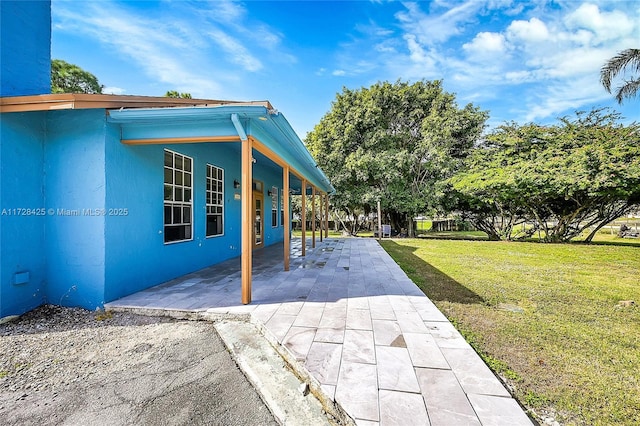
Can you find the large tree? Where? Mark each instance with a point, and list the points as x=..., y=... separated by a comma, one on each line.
x=176, y=94
x=69, y=78
x=561, y=180
x=393, y=143
x=626, y=60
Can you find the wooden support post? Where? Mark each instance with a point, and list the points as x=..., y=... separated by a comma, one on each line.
x=321, y=215
x=304, y=217
x=287, y=218
x=246, y=225
x=313, y=217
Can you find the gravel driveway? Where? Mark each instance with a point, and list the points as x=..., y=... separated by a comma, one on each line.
x=72, y=366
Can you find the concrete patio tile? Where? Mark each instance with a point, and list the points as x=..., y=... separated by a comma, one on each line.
x=446, y=335
x=329, y=391
x=427, y=310
x=359, y=319
x=323, y=362
x=497, y=411
x=279, y=325
x=446, y=401
x=411, y=322
x=401, y=303
x=472, y=373
x=360, y=422
x=298, y=340
x=424, y=351
x=263, y=313
x=310, y=315
x=290, y=308
x=402, y=409
x=358, y=346
x=358, y=303
x=334, y=316
x=385, y=333
x=395, y=371
x=380, y=308
x=330, y=335
x=357, y=390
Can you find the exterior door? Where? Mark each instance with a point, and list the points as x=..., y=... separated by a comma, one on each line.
x=258, y=219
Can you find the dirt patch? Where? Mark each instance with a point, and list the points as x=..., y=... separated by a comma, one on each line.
x=72, y=366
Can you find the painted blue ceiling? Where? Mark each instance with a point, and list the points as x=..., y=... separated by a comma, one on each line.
x=266, y=125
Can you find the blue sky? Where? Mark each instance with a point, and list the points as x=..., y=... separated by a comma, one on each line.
x=520, y=60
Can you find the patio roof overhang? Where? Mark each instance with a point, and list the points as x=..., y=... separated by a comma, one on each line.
x=271, y=133
x=259, y=130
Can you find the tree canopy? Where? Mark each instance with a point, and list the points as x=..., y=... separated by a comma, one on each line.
x=394, y=143
x=176, y=94
x=70, y=78
x=561, y=180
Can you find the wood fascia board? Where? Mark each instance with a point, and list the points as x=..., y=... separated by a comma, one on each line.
x=186, y=139
x=50, y=102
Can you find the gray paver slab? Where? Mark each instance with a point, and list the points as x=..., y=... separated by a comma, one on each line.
x=402, y=409
x=298, y=340
x=357, y=390
x=395, y=371
x=323, y=362
x=424, y=351
x=447, y=404
x=498, y=411
x=386, y=332
x=358, y=319
x=358, y=346
x=472, y=373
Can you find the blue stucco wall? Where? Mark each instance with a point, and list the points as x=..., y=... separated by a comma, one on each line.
x=22, y=221
x=74, y=181
x=72, y=164
x=25, y=47
x=136, y=255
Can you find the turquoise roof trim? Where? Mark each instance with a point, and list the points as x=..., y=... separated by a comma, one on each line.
x=267, y=125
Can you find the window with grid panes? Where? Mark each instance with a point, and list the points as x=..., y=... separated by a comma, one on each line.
x=178, y=204
x=274, y=206
x=282, y=207
x=215, y=200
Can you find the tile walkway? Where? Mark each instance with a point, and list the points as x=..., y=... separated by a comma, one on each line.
x=367, y=336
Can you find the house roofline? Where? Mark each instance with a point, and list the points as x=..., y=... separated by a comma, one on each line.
x=50, y=102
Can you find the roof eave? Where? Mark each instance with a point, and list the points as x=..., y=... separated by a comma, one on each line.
x=50, y=102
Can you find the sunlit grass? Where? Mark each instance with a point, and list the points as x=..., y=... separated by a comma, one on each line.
x=545, y=316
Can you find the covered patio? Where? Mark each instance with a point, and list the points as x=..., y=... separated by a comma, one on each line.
x=350, y=321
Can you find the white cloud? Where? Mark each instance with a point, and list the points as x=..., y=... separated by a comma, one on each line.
x=162, y=53
x=434, y=28
x=486, y=46
x=604, y=25
x=533, y=30
x=339, y=73
x=235, y=50
x=113, y=90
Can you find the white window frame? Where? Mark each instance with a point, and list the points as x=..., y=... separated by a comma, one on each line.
x=274, y=206
x=282, y=218
x=178, y=194
x=214, y=198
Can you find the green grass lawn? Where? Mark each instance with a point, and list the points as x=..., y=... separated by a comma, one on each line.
x=546, y=317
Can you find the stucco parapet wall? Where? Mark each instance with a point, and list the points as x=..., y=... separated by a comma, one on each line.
x=87, y=101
